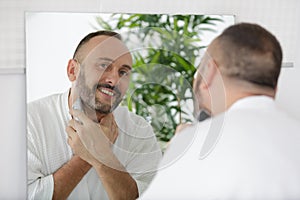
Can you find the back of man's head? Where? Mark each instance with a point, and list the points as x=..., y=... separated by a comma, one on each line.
x=250, y=53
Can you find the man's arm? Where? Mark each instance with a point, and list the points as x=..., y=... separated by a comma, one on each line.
x=68, y=176
x=92, y=142
x=118, y=183
x=56, y=185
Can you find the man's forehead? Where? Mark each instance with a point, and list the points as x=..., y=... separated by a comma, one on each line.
x=105, y=46
x=105, y=40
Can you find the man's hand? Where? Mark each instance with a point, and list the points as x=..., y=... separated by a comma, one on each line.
x=76, y=144
x=180, y=127
x=92, y=141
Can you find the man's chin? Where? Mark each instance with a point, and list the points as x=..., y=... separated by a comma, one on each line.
x=104, y=110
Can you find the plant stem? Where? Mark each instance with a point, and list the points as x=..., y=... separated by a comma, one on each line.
x=178, y=104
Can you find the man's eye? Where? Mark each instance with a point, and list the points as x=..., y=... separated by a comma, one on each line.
x=103, y=65
x=124, y=73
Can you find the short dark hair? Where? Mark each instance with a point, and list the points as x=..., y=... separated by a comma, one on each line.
x=251, y=53
x=94, y=34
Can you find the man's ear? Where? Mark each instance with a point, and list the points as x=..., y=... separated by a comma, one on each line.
x=72, y=70
x=209, y=74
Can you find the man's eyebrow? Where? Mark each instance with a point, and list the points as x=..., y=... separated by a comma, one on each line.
x=127, y=66
x=106, y=59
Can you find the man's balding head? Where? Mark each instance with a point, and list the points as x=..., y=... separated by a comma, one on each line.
x=248, y=52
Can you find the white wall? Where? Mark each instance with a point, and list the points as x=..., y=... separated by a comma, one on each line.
x=13, y=138
x=280, y=17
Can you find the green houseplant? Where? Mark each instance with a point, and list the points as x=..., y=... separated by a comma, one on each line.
x=164, y=64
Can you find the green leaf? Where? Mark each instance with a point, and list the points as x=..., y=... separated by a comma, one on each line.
x=103, y=24
x=162, y=74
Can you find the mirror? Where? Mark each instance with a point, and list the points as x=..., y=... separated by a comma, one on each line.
x=160, y=44
x=165, y=49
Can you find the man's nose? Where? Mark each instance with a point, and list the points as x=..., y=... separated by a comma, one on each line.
x=111, y=77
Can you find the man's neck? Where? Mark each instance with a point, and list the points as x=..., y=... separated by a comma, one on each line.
x=237, y=93
x=236, y=90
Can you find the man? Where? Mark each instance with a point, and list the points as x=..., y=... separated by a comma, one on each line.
x=249, y=149
x=96, y=150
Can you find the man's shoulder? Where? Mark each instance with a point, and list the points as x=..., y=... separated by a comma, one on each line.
x=124, y=113
x=44, y=103
x=45, y=99
x=131, y=122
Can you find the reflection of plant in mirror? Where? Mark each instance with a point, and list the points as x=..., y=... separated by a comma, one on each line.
x=163, y=70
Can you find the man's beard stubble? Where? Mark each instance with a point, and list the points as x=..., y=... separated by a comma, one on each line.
x=89, y=98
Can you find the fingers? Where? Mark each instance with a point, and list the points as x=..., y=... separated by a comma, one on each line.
x=71, y=134
x=74, y=124
x=180, y=127
x=73, y=128
x=80, y=116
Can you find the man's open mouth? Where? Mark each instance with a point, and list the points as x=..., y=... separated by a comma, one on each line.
x=107, y=91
